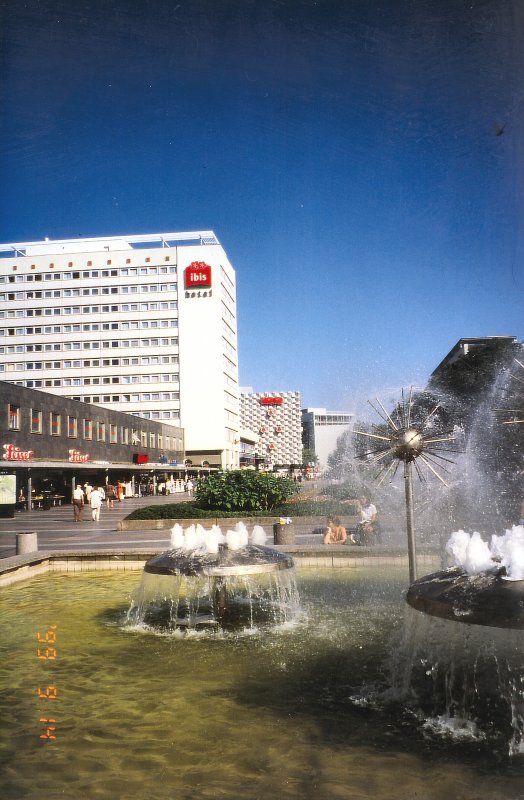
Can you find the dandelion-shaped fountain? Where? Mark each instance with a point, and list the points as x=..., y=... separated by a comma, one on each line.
x=212, y=580
x=404, y=439
x=466, y=678
x=485, y=586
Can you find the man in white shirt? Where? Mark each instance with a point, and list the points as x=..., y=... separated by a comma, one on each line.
x=95, y=501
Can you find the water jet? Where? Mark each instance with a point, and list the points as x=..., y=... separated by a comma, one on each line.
x=211, y=580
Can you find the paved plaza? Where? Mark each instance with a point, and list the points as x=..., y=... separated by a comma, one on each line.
x=57, y=529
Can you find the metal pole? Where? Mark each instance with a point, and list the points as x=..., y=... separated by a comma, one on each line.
x=408, y=488
x=29, y=493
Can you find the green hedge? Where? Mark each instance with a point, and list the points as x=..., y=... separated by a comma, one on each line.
x=190, y=510
x=318, y=508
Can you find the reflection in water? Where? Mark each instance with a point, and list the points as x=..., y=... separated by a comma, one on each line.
x=154, y=715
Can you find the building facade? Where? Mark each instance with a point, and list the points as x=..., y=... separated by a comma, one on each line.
x=50, y=442
x=144, y=324
x=465, y=346
x=321, y=430
x=270, y=429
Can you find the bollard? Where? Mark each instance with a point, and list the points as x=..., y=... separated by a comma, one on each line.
x=26, y=543
x=283, y=533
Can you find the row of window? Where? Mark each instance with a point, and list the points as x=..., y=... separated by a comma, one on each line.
x=86, y=328
x=173, y=416
x=58, y=311
x=89, y=292
x=105, y=345
x=333, y=419
x=99, y=362
x=165, y=377
x=136, y=397
x=90, y=429
x=123, y=272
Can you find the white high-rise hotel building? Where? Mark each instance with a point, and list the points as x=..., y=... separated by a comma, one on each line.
x=145, y=324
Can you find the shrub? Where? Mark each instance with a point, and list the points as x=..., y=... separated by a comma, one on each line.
x=242, y=490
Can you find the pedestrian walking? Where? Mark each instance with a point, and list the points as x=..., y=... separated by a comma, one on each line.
x=95, y=501
x=78, y=503
x=110, y=495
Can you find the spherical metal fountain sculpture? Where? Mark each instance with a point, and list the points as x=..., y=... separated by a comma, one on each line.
x=404, y=441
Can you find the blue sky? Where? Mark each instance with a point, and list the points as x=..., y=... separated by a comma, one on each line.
x=345, y=153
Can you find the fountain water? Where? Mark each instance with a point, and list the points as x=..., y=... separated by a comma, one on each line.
x=475, y=670
x=469, y=677
x=214, y=580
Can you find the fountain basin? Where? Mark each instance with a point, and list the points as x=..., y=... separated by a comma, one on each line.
x=484, y=599
x=249, y=560
x=233, y=587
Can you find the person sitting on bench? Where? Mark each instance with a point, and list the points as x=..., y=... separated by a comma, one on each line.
x=368, y=519
x=335, y=533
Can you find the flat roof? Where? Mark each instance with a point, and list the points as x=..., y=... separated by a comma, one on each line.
x=109, y=243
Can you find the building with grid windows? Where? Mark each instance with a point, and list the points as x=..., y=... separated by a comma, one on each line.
x=144, y=324
x=270, y=429
x=321, y=430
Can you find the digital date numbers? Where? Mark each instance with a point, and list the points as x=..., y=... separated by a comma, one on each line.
x=47, y=653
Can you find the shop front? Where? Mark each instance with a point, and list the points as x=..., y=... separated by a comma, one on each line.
x=49, y=444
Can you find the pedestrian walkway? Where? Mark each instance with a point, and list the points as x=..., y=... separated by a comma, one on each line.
x=57, y=529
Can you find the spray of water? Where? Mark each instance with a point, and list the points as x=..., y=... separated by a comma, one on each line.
x=197, y=538
x=474, y=555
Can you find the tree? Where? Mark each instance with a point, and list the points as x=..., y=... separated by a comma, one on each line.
x=309, y=457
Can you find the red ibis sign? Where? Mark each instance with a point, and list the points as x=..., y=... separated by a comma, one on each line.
x=197, y=276
x=271, y=401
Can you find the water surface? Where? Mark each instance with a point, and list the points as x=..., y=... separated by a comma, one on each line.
x=243, y=716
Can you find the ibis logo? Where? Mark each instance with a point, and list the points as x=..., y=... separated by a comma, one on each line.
x=197, y=276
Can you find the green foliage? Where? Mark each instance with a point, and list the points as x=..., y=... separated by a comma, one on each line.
x=243, y=490
x=305, y=508
x=348, y=491
x=171, y=511
x=185, y=511
x=309, y=456
x=318, y=508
